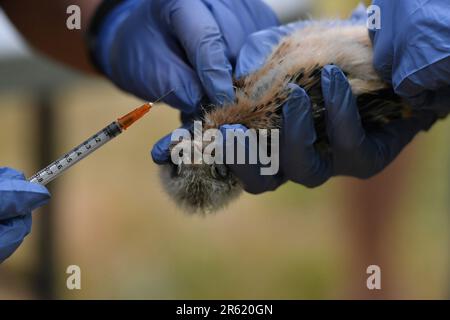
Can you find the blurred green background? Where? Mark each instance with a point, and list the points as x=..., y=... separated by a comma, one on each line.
x=114, y=220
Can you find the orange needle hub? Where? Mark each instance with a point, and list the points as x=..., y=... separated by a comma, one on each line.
x=127, y=120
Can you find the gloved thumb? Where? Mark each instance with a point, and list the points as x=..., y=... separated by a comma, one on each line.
x=160, y=152
x=248, y=173
x=18, y=196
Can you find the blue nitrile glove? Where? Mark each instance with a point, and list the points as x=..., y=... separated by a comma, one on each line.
x=149, y=47
x=299, y=160
x=295, y=115
x=412, y=50
x=375, y=151
x=251, y=57
x=354, y=151
x=18, y=198
x=365, y=154
x=160, y=152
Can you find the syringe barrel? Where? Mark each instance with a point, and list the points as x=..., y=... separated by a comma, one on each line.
x=77, y=154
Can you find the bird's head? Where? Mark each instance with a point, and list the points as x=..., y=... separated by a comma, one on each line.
x=198, y=187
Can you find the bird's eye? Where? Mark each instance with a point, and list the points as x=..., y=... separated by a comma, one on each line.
x=219, y=171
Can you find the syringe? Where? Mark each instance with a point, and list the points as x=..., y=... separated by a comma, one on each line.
x=99, y=139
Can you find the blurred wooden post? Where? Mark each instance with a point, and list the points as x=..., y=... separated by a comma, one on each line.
x=370, y=213
x=43, y=80
x=45, y=147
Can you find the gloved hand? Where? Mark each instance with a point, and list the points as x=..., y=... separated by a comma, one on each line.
x=18, y=198
x=252, y=56
x=148, y=47
x=412, y=51
x=354, y=151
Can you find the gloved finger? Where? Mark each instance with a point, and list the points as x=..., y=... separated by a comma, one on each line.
x=238, y=19
x=149, y=77
x=8, y=173
x=19, y=197
x=160, y=151
x=303, y=164
x=202, y=39
x=12, y=233
x=249, y=174
x=225, y=15
x=437, y=101
x=440, y=102
x=174, y=75
x=393, y=137
x=344, y=126
x=354, y=153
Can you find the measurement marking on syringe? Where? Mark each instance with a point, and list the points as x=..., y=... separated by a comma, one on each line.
x=88, y=146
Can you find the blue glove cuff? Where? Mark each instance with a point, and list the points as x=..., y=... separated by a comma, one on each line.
x=107, y=19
